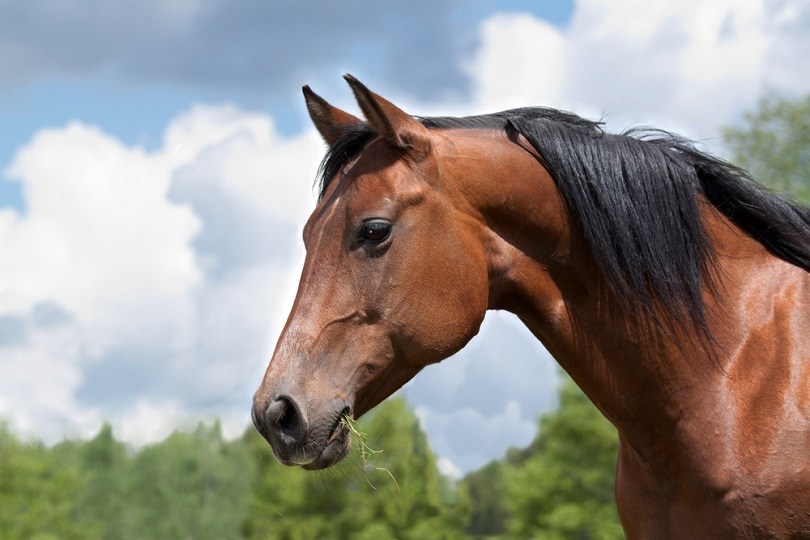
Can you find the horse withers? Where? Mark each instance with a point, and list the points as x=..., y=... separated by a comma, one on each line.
x=673, y=289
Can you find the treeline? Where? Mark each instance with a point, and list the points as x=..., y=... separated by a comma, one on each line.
x=199, y=485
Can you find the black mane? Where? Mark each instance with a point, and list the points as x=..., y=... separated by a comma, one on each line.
x=634, y=197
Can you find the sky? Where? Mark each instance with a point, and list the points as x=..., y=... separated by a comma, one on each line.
x=157, y=164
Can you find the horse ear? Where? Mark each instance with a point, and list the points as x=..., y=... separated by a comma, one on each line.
x=330, y=121
x=390, y=122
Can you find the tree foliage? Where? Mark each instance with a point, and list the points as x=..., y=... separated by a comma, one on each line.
x=36, y=492
x=773, y=143
x=562, y=486
x=485, y=490
x=197, y=485
x=201, y=481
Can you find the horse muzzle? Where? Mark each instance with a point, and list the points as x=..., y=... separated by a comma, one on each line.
x=313, y=442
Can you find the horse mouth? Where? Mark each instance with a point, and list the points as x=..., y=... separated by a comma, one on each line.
x=336, y=448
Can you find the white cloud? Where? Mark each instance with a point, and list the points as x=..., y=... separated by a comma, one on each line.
x=37, y=389
x=245, y=154
x=485, y=399
x=471, y=438
x=685, y=66
x=151, y=420
x=98, y=237
x=521, y=62
x=106, y=281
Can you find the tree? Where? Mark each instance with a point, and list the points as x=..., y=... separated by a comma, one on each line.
x=36, y=492
x=289, y=503
x=485, y=488
x=101, y=501
x=192, y=485
x=773, y=144
x=409, y=495
x=563, y=484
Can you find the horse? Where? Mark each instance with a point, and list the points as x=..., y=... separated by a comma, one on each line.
x=672, y=288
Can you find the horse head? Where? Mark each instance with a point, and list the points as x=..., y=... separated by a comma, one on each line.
x=395, y=278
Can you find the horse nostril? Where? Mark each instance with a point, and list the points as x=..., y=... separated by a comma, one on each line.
x=284, y=417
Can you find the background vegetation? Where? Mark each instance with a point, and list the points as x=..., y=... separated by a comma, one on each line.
x=773, y=144
x=198, y=485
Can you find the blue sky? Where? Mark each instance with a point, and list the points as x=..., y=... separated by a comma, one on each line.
x=157, y=164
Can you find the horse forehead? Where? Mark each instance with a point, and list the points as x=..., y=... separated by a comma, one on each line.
x=351, y=194
x=371, y=188
x=377, y=175
x=367, y=184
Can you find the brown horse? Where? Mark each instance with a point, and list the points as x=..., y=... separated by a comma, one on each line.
x=672, y=288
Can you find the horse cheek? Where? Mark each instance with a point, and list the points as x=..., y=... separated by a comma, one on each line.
x=458, y=300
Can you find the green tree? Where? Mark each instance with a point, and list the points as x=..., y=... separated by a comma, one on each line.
x=37, y=492
x=192, y=485
x=562, y=486
x=290, y=503
x=101, y=502
x=485, y=488
x=773, y=143
x=410, y=494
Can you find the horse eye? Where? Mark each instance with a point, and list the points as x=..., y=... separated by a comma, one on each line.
x=375, y=231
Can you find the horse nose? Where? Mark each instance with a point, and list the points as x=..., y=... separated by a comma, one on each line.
x=282, y=424
x=284, y=416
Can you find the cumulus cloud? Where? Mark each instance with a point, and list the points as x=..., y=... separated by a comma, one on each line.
x=472, y=438
x=38, y=381
x=689, y=67
x=117, y=298
x=486, y=398
x=521, y=61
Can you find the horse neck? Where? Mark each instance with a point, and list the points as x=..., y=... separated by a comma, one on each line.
x=541, y=270
x=694, y=424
